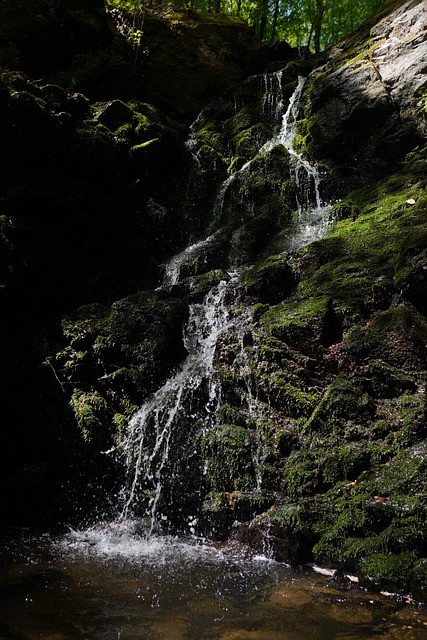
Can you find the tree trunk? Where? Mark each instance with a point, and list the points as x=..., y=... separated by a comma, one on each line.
x=274, y=22
x=320, y=12
x=262, y=24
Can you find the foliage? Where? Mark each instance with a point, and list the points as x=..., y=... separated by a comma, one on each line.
x=315, y=24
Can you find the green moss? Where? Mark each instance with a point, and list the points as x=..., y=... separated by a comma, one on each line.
x=227, y=449
x=405, y=475
x=347, y=264
x=90, y=411
x=392, y=568
x=236, y=163
x=203, y=283
x=292, y=320
x=404, y=419
x=239, y=122
x=302, y=138
x=344, y=210
x=232, y=415
x=398, y=325
x=211, y=138
x=271, y=280
x=290, y=398
x=215, y=502
x=137, y=148
x=344, y=462
x=301, y=475
x=375, y=515
x=344, y=400
x=247, y=142
x=34, y=104
x=259, y=310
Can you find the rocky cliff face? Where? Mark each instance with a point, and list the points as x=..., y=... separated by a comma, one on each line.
x=319, y=447
x=363, y=108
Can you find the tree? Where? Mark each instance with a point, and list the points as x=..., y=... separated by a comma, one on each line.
x=316, y=24
x=318, y=19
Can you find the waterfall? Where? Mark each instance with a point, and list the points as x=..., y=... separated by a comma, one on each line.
x=173, y=267
x=311, y=219
x=191, y=394
x=299, y=164
x=305, y=174
x=272, y=97
x=311, y=223
x=160, y=445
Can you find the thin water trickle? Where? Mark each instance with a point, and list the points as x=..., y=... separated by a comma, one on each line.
x=173, y=267
x=272, y=97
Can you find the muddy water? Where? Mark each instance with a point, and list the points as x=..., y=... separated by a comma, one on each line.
x=107, y=583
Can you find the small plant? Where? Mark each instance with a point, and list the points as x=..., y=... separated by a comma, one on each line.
x=422, y=102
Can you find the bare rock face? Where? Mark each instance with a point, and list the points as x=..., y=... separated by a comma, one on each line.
x=400, y=58
x=362, y=102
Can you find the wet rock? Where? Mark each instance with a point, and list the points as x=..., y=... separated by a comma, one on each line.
x=271, y=542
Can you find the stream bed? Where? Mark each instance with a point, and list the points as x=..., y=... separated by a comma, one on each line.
x=109, y=582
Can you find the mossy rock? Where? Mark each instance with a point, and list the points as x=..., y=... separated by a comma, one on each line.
x=360, y=261
x=301, y=475
x=113, y=114
x=226, y=449
x=270, y=281
x=389, y=569
x=201, y=285
x=396, y=335
x=119, y=353
x=296, y=321
x=346, y=399
x=91, y=412
x=247, y=142
x=292, y=400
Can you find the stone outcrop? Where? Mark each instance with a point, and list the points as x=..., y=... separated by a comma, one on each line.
x=362, y=109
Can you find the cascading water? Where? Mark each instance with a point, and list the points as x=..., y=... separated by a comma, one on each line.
x=190, y=396
x=162, y=439
x=272, y=97
x=311, y=221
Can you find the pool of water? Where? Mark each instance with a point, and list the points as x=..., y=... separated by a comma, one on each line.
x=109, y=582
